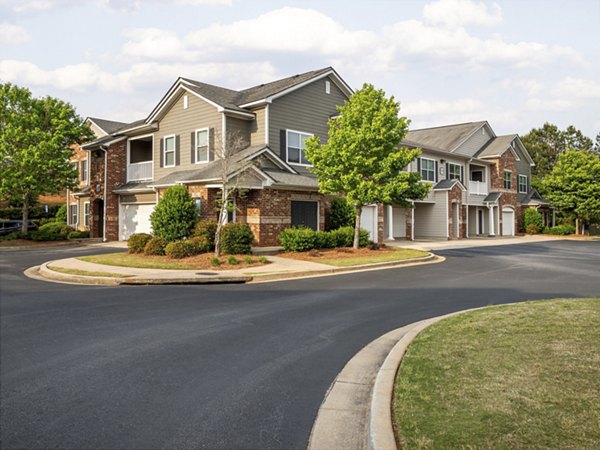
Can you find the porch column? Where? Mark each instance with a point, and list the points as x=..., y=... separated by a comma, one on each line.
x=553, y=217
x=491, y=220
x=390, y=214
x=412, y=219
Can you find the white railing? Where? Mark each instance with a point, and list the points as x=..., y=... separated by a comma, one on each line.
x=478, y=188
x=139, y=171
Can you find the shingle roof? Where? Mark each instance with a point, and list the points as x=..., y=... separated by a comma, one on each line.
x=108, y=126
x=224, y=97
x=444, y=138
x=291, y=179
x=496, y=147
x=134, y=186
x=492, y=197
x=445, y=185
x=534, y=197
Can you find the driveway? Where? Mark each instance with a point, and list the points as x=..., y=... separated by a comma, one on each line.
x=237, y=366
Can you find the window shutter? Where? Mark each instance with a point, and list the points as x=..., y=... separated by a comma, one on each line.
x=211, y=152
x=193, y=146
x=162, y=152
x=419, y=165
x=447, y=171
x=177, y=161
x=462, y=174
x=283, y=145
x=436, y=172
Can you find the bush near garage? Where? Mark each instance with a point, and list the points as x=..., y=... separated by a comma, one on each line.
x=53, y=231
x=137, y=242
x=299, y=239
x=303, y=239
x=324, y=239
x=532, y=220
x=206, y=229
x=177, y=250
x=175, y=214
x=236, y=238
x=155, y=246
x=79, y=234
x=562, y=230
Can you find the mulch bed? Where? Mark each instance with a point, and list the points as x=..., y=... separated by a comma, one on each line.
x=334, y=253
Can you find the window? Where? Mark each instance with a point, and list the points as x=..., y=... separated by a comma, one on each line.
x=198, y=204
x=75, y=166
x=84, y=170
x=86, y=214
x=427, y=169
x=169, y=151
x=507, y=179
x=201, y=145
x=73, y=214
x=454, y=171
x=477, y=175
x=523, y=184
x=295, y=147
x=327, y=87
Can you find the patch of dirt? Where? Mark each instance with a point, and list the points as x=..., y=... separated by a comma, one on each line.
x=203, y=262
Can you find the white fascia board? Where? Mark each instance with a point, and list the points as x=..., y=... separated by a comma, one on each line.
x=238, y=114
x=262, y=101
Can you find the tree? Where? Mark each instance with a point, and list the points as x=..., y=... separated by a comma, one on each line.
x=35, y=139
x=175, y=214
x=363, y=159
x=573, y=186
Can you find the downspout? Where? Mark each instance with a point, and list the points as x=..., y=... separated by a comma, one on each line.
x=105, y=150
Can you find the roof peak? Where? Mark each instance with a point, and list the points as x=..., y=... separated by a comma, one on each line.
x=481, y=122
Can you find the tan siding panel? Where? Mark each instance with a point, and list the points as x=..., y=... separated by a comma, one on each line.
x=239, y=128
x=475, y=142
x=431, y=219
x=257, y=128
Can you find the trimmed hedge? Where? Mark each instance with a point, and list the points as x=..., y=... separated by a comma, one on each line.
x=206, y=229
x=323, y=239
x=303, y=239
x=177, y=249
x=137, y=242
x=562, y=230
x=155, y=246
x=175, y=214
x=297, y=239
x=236, y=238
x=198, y=244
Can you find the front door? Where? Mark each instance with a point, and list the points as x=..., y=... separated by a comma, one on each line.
x=305, y=213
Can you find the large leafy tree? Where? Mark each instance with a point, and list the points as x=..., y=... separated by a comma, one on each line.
x=362, y=159
x=573, y=186
x=35, y=139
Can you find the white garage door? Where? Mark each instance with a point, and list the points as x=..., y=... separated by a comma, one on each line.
x=508, y=222
x=134, y=219
x=368, y=221
x=399, y=216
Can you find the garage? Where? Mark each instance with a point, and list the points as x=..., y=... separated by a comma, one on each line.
x=368, y=221
x=134, y=218
x=508, y=222
x=306, y=214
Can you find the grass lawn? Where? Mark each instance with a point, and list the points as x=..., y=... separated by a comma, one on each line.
x=514, y=376
x=202, y=261
x=87, y=273
x=344, y=257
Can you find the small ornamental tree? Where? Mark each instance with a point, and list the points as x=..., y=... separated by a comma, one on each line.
x=175, y=214
x=573, y=186
x=363, y=159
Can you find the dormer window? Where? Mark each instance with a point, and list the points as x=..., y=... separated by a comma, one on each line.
x=296, y=143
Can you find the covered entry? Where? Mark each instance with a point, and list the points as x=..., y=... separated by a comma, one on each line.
x=508, y=222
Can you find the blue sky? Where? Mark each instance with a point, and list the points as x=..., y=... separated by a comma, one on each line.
x=515, y=63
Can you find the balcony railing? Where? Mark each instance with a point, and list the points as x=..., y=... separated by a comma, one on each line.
x=139, y=171
x=478, y=188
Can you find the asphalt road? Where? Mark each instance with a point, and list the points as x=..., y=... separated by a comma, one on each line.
x=240, y=366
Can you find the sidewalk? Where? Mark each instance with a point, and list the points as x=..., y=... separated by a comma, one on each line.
x=432, y=245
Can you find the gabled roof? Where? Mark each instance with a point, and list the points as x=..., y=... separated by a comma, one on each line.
x=497, y=146
x=534, y=198
x=492, y=197
x=446, y=138
x=108, y=126
x=446, y=185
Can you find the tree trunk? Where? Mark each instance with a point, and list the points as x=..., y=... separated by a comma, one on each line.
x=25, y=224
x=577, y=226
x=220, y=220
x=358, y=211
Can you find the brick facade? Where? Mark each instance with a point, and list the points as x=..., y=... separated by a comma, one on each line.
x=509, y=197
x=116, y=176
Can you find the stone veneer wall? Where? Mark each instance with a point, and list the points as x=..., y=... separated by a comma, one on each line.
x=509, y=197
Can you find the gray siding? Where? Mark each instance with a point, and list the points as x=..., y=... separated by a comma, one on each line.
x=306, y=109
x=523, y=168
x=239, y=128
x=474, y=143
x=431, y=220
x=183, y=122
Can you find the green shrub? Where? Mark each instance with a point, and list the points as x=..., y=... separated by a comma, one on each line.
x=44, y=221
x=532, y=221
x=215, y=261
x=15, y=235
x=175, y=214
x=263, y=259
x=325, y=239
x=137, y=242
x=232, y=260
x=155, y=246
x=345, y=237
x=177, y=249
x=198, y=245
x=297, y=239
x=206, y=229
x=341, y=214
x=79, y=234
x=562, y=230
x=61, y=213
x=53, y=231
x=248, y=259
x=236, y=238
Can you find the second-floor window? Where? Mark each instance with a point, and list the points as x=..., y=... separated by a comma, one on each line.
x=427, y=169
x=454, y=172
x=201, y=147
x=169, y=151
x=84, y=170
x=295, y=147
x=507, y=179
x=73, y=214
x=523, y=184
x=75, y=166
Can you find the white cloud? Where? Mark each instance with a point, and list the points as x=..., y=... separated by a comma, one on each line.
x=428, y=107
x=579, y=88
x=529, y=86
x=566, y=94
x=457, y=13
x=32, y=6
x=13, y=34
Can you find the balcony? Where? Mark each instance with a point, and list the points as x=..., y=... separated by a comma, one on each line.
x=139, y=171
x=478, y=188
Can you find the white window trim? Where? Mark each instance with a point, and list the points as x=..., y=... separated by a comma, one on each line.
x=85, y=163
x=169, y=136
x=504, y=179
x=287, y=140
x=207, y=145
x=86, y=216
x=76, y=223
x=460, y=171
x=432, y=170
x=526, y=178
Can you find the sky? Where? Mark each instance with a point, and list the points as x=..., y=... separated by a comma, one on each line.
x=514, y=63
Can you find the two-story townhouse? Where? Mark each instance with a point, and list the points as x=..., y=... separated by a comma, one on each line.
x=181, y=140
x=480, y=184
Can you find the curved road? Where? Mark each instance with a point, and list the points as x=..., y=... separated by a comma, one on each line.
x=239, y=366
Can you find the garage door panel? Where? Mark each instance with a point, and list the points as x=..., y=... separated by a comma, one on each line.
x=305, y=213
x=508, y=222
x=134, y=218
x=368, y=221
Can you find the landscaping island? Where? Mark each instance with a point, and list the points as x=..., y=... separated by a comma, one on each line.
x=516, y=376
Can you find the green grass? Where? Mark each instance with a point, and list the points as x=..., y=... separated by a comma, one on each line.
x=396, y=255
x=134, y=260
x=520, y=376
x=87, y=273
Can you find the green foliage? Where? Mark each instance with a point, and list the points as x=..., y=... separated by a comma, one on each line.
x=248, y=259
x=344, y=237
x=177, y=250
x=137, y=242
x=79, y=234
x=155, y=246
x=573, y=186
x=35, y=212
x=532, y=220
x=263, y=259
x=206, y=229
x=562, y=230
x=232, y=260
x=236, y=238
x=35, y=139
x=324, y=239
x=297, y=239
x=198, y=245
x=175, y=214
x=15, y=235
x=214, y=261
x=53, y=231
x=61, y=213
x=341, y=214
